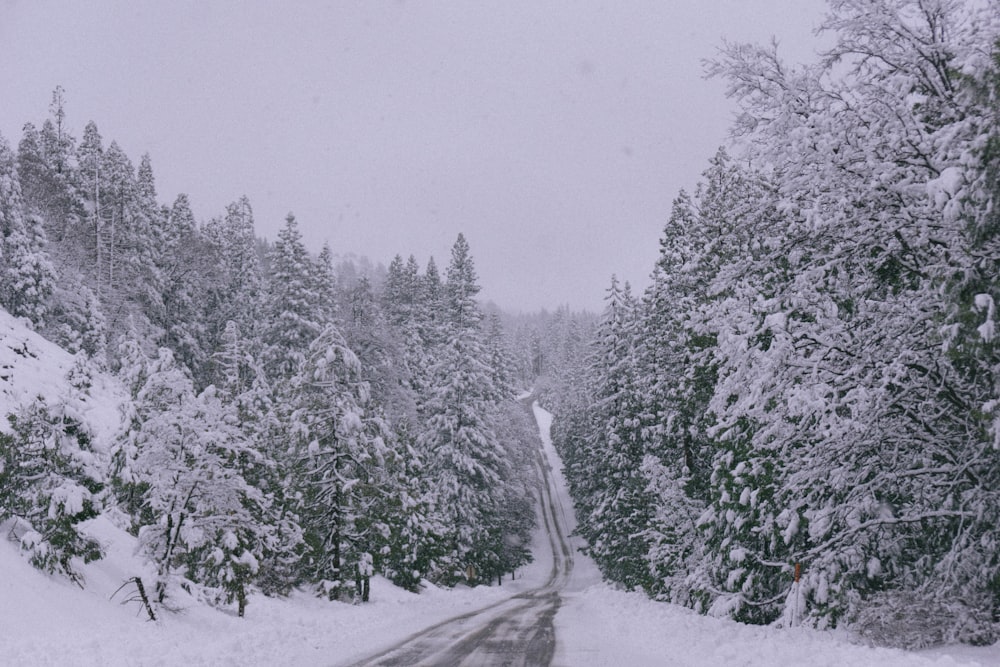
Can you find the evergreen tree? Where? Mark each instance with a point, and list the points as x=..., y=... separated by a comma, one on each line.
x=243, y=387
x=26, y=274
x=234, y=291
x=342, y=454
x=49, y=484
x=182, y=270
x=57, y=141
x=413, y=539
x=177, y=473
x=615, y=506
x=408, y=308
x=464, y=457
x=325, y=285
x=89, y=175
x=291, y=304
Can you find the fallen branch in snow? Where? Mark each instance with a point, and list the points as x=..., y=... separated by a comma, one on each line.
x=140, y=596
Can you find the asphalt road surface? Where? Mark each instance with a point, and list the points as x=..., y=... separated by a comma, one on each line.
x=516, y=631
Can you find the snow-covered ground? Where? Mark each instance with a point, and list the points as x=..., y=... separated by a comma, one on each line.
x=45, y=621
x=32, y=367
x=49, y=621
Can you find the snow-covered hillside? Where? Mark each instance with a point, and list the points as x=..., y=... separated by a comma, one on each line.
x=32, y=367
x=47, y=621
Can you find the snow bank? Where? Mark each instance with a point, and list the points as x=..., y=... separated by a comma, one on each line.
x=602, y=626
x=48, y=621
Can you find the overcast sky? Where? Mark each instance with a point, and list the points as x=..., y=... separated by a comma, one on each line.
x=553, y=134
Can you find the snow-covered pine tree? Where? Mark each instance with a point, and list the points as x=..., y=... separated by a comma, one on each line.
x=46, y=162
x=324, y=280
x=128, y=275
x=50, y=482
x=47, y=170
x=616, y=506
x=57, y=140
x=26, y=274
x=413, y=539
x=677, y=377
x=408, y=309
x=464, y=458
x=235, y=292
x=243, y=387
x=386, y=367
x=398, y=292
x=183, y=275
x=707, y=290
x=341, y=448
x=838, y=363
x=292, y=305
x=432, y=307
x=47, y=191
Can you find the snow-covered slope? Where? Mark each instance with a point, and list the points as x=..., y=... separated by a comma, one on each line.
x=47, y=621
x=32, y=367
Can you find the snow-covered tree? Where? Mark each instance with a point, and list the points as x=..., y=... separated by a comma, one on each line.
x=614, y=505
x=342, y=451
x=464, y=457
x=183, y=276
x=178, y=471
x=50, y=481
x=234, y=292
x=26, y=274
x=292, y=316
x=243, y=386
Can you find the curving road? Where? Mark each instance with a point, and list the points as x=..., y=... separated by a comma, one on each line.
x=515, y=631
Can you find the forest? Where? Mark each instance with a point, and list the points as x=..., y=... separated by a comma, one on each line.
x=291, y=421
x=796, y=423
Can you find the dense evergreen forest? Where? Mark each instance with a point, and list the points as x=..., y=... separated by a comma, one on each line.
x=797, y=422
x=291, y=420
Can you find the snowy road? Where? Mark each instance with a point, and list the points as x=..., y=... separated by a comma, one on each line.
x=515, y=631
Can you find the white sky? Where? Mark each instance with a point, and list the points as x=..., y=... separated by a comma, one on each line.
x=553, y=134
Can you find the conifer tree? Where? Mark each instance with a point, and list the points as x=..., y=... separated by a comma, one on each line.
x=89, y=175
x=616, y=507
x=408, y=308
x=325, y=285
x=26, y=274
x=177, y=473
x=234, y=291
x=342, y=451
x=243, y=387
x=291, y=304
x=182, y=270
x=464, y=457
x=49, y=484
